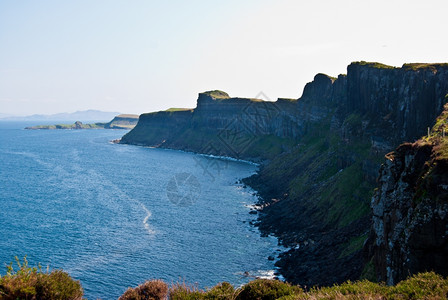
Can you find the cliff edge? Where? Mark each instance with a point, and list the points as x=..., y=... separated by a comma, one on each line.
x=321, y=155
x=410, y=208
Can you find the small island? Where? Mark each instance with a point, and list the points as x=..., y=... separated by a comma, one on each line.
x=123, y=121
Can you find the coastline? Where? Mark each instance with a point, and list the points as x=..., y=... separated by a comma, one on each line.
x=254, y=208
x=222, y=157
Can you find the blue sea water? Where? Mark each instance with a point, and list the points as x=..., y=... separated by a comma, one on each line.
x=113, y=216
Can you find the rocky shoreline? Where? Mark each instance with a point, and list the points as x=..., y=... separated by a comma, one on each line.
x=311, y=255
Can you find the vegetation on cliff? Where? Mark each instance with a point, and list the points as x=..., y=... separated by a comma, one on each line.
x=376, y=65
x=33, y=283
x=177, y=109
x=421, y=66
x=436, y=168
x=326, y=178
x=217, y=94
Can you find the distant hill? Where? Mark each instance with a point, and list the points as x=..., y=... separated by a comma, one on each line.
x=85, y=115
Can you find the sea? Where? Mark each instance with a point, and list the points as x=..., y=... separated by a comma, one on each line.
x=114, y=215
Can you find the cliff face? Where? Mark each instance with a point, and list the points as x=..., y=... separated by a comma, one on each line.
x=397, y=103
x=221, y=125
x=322, y=153
x=154, y=129
x=392, y=104
x=410, y=209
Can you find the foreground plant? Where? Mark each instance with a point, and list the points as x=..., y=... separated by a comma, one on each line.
x=151, y=290
x=33, y=283
x=421, y=286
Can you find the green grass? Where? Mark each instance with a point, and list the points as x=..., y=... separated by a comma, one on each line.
x=375, y=65
x=269, y=146
x=435, y=168
x=287, y=99
x=345, y=198
x=315, y=172
x=217, y=94
x=421, y=66
x=177, y=109
x=265, y=289
x=353, y=245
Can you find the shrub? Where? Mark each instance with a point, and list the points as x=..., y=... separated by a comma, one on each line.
x=222, y=291
x=149, y=290
x=350, y=290
x=33, y=283
x=266, y=289
x=182, y=291
x=421, y=286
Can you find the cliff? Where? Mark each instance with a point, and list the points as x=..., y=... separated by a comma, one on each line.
x=123, y=121
x=321, y=155
x=410, y=208
x=220, y=125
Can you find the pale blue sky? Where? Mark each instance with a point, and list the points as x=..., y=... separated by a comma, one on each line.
x=138, y=56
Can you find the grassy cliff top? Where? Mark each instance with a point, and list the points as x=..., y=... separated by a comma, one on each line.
x=376, y=65
x=217, y=94
x=410, y=66
x=220, y=95
x=128, y=116
x=177, y=109
x=287, y=99
x=420, y=66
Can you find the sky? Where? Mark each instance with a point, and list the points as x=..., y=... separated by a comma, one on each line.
x=136, y=56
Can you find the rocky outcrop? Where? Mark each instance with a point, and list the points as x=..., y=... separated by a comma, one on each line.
x=410, y=209
x=321, y=155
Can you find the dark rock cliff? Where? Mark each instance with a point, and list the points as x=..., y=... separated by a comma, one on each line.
x=410, y=209
x=321, y=155
x=398, y=103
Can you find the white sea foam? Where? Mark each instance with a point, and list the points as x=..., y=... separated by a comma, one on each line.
x=265, y=274
x=208, y=155
x=145, y=220
x=260, y=274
